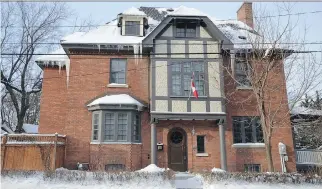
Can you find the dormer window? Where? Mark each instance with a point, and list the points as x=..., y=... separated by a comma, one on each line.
x=132, y=28
x=186, y=29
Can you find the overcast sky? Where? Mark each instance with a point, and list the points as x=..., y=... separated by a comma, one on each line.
x=102, y=12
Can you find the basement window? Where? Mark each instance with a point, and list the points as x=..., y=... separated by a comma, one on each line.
x=114, y=167
x=252, y=168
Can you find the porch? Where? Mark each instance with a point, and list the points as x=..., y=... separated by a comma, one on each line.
x=188, y=145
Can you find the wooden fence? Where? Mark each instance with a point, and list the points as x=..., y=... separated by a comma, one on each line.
x=32, y=151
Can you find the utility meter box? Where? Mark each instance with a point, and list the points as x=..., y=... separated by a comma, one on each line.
x=282, y=148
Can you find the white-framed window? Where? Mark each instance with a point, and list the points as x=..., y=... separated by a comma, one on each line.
x=118, y=71
x=132, y=28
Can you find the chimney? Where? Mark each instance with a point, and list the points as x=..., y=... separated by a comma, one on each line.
x=245, y=14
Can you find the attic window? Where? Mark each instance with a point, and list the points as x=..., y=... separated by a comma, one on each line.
x=242, y=37
x=186, y=29
x=132, y=28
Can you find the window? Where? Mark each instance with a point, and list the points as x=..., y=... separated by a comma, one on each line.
x=122, y=125
x=114, y=167
x=247, y=130
x=201, y=144
x=95, y=126
x=186, y=29
x=132, y=28
x=242, y=72
x=116, y=126
x=252, y=168
x=109, y=127
x=181, y=73
x=118, y=71
x=136, y=128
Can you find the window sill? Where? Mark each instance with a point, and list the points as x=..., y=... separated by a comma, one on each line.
x=202, y=155
x=117, y=85
x=115, y=143
x=244, y=88
x=249, y=145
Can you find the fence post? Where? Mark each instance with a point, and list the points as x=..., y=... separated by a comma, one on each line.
x=4, y=142
x=55, y=150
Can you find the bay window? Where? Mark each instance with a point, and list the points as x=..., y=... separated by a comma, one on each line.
x=116, y=126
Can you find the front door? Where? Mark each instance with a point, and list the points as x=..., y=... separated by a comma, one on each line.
x=177, y=152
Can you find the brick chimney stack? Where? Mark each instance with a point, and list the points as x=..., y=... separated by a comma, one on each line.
x=245, y=14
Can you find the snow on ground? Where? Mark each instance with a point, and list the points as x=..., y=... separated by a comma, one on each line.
x=182, y=180
x=241, y=185
x=30, y=128
x=152, y=168
x=217, y=170
x=37, y=182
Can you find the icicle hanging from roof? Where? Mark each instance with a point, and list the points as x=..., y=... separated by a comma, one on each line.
x=136, y=52
x=67, y=64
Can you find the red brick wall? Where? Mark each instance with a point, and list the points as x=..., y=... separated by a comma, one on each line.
x=64, y=110
x=125, y=154
x=207, y=128
x=243, y=103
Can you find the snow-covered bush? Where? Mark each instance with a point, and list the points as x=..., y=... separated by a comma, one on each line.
x=286, y=178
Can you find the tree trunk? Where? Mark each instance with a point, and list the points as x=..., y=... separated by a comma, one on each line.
x=268, y=150
x=19, y=128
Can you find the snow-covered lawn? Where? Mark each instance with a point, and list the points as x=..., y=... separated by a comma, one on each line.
x=151, y=176
x=38, y=182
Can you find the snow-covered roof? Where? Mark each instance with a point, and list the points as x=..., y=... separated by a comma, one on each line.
x=305, y=111
x=30, y=128
x=240, y=34
x=116, y=99
x=186, y=11
x=109, y=33
x=57, y=57
x=133, y=11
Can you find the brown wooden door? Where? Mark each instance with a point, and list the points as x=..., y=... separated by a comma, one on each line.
x=177, y=152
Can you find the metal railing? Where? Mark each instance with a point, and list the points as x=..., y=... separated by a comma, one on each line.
x=309, y=157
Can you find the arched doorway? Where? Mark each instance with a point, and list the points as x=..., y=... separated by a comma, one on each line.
x=177, y=149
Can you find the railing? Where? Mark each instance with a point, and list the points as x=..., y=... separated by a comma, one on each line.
x=309, y=157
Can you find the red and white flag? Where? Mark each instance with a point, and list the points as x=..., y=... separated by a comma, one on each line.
x=193, y=88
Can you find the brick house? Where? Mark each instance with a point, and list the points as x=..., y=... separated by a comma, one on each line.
x=122, y=95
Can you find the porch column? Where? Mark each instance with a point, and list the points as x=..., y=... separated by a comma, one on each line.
x=153, y=144
x=223, y=157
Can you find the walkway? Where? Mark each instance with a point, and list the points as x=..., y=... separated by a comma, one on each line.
x=187, y=180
